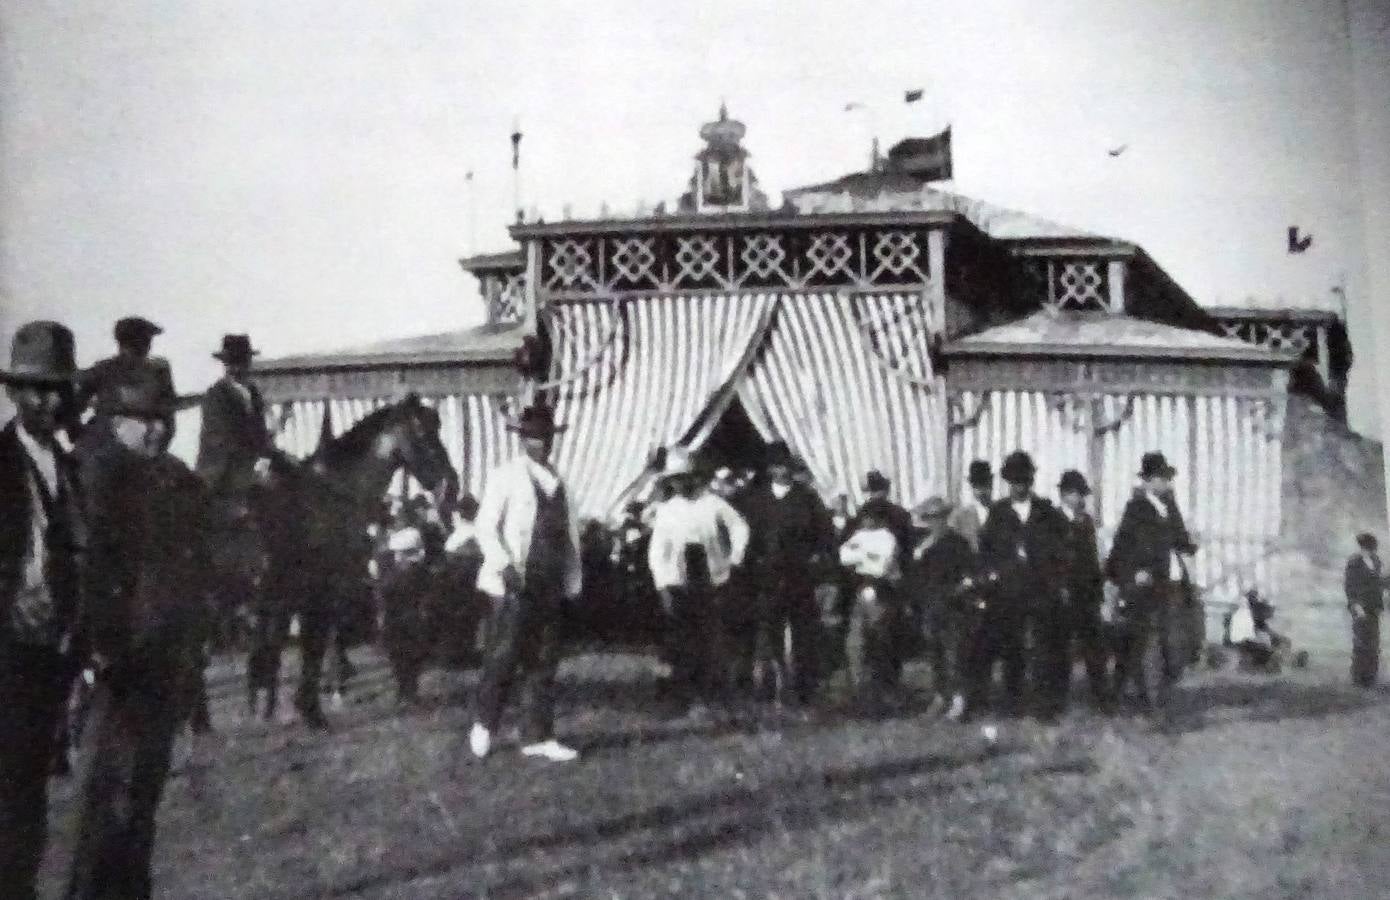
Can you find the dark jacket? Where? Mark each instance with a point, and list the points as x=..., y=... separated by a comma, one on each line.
x=935, y=572
x=786, y=534
x=232, y=438
x=149, y=576
x=1365, y=585
x=1025, y=560
x=67, y=543
x=1084, y=575
x=1145, y=541
x=899, y=522
x=106, y=373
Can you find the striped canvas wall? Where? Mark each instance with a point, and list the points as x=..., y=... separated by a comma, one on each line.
x=1226, y=450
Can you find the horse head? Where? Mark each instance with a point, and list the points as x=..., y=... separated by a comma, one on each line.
x=411, y=440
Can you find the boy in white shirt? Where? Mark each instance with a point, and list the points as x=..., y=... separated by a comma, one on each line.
x=690, y=563
x=874, y=641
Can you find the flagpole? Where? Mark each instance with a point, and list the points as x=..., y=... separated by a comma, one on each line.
x=516, y=167
x=472, y=200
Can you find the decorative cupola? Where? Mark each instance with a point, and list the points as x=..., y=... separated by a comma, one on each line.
x=723, y=182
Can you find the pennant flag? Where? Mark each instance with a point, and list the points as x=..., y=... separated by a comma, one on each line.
x=516, y=145
x=913, y=95
x=927, y=158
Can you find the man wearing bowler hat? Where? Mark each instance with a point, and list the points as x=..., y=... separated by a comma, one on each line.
x=1364, y=583
x=134, y=338
x=1023, y=557
x=148, y=613
x=42, y=544
x=531, y=565
x=1148, y=562
x=1079, y=629
x=234, y=437
x=970, y=516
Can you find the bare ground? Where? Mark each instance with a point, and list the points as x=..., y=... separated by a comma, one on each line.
x=1264, y=788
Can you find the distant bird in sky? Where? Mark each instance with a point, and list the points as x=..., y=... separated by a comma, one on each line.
x=1116, y=151
x=1298, y=244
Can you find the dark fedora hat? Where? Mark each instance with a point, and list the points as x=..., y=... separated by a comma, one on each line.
x=42, y=353
x=140, y=393
x=1073, y=480
x=135, y=328
x=236, y=348
x=535, y=421
x=1367, y=541
x=1018, y=467
x=980, y=473
x=876, y=482
x=1155, y=465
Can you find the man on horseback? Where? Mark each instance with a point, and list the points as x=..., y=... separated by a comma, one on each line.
x=146, y=620
x=41, y=549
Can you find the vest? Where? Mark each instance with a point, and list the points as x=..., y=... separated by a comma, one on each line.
x=550, y=536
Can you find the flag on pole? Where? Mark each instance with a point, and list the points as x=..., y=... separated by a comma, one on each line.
x=516, y=144
x=912, y=96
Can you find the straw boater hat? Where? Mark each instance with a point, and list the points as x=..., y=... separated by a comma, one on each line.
x=236, y=348
x=932, y=509
x=42, y=353
x=535, y=421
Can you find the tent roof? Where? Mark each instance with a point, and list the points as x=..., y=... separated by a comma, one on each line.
x=482, y=344
x=1099, y=335
x=488, y=262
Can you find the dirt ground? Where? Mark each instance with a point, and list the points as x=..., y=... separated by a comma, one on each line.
x=1264, y=787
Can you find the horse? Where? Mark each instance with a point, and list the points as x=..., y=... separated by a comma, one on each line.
x=312, y=519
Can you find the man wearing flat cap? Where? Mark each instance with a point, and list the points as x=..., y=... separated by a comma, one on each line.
x=42, y=545
x=134, y=338
x=939, y=583
x=1023, y=557
x=531, y=566
x=148, y=615
x=1365, y=583
x=1148, y=561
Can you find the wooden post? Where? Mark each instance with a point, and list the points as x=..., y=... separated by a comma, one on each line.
x=1117, y=286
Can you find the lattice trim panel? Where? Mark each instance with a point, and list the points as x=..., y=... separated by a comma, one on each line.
x=506, y=297
x=791, y=259
x=1299, y=336
x=1070, y=284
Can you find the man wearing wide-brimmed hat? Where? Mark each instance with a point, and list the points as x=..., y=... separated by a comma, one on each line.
x=1364, y=583
x=234, y=437
x=1023, y=557
x=1148, y=561
x=134, y=338
x=531, y=566
x=42, y=540
x=940, y=583
x=968, y=518
x=149, y=614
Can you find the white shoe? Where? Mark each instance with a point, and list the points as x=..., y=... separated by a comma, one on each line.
x=552, y=750
x=480, y=740
x=957, y=709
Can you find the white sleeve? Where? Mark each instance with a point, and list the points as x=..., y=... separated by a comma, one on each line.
x=738, y=530
x=491, y=513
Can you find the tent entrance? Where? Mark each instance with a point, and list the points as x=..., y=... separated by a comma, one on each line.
x=734, y=441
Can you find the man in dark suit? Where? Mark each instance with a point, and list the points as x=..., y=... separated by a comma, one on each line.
x=147, y=619
x=42, y=536
x=938, y=586
x=1080, y=628
x=1365, y=588
x=1023, y=558
x=877, y=489
x=1148, y=562
x=234, y=437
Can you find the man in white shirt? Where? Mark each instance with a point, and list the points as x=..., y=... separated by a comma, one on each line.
x=41, y=549
x=531, y=565
x=697, y=541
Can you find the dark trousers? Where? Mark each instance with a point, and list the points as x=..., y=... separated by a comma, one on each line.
x=522, y=641
x=998, y=635
x=33, y=694
x=695, y=648
x=946, y=644
x=1150, y=651
x=1365, y=649
x=789, y=603
x=136, y=718
x=874, y=642
x=1062, y=632
x=739, y=616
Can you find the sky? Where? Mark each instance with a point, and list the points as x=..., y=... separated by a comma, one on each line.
x=298, y=171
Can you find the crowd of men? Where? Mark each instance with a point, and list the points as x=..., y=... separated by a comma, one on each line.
x=106, y=557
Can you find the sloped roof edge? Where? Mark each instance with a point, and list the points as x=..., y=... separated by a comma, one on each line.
x=480, y=345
